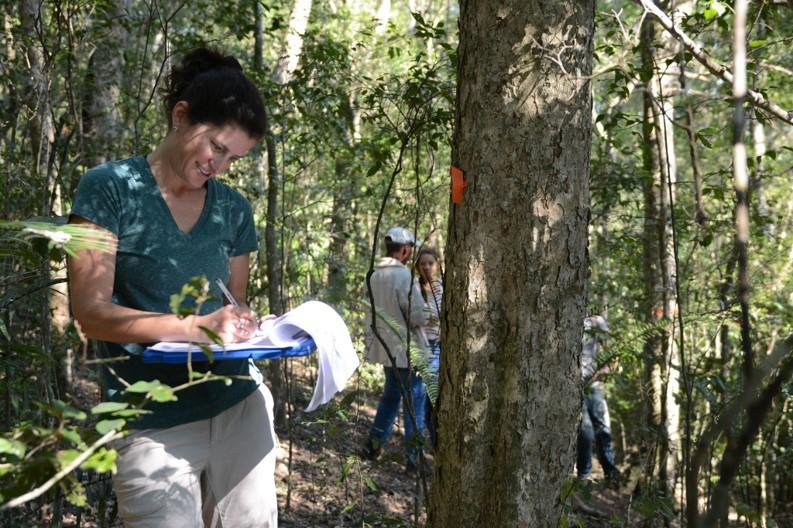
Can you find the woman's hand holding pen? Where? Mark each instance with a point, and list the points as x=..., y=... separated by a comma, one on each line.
x=232, y=324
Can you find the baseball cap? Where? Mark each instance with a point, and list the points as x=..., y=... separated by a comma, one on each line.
x=400, y=235
x=596, y=322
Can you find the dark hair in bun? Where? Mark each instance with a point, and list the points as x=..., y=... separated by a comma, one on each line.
x=216, y=91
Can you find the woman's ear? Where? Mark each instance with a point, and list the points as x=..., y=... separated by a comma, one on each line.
x=179, y=115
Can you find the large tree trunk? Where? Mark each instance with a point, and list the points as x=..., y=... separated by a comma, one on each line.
x=516, y=269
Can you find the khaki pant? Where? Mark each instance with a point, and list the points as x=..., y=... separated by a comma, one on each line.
x=217, y=472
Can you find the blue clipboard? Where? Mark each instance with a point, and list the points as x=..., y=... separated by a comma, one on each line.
x=305, y=347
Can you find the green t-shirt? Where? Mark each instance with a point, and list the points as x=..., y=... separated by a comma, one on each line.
x=153, y=261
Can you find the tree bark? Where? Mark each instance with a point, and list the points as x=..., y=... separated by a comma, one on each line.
x=298, y=22
x=517, y=266
x=662, y=354
x=102, y=122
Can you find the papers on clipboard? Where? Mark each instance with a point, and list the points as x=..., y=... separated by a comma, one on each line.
x=296, y=333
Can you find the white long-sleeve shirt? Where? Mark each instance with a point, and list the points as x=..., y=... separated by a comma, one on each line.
x=398, y=298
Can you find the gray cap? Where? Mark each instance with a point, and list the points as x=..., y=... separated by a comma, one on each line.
x=399, y=235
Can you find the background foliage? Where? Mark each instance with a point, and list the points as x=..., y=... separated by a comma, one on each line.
x=365, y=122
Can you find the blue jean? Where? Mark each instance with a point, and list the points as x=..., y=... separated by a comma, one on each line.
x=388, y=407
x=595, y=429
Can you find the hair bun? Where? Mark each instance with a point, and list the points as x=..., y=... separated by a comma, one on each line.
x=216, y=89
x=193, y=64
x=202, y=60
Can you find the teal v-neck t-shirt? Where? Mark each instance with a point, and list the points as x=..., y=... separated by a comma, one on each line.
x=153, y=261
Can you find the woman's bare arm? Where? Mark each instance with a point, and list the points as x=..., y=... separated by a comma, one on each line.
x=91, y=276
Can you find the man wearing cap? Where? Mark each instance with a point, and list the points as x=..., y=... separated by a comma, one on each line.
x=397, y=299
x=595, y=423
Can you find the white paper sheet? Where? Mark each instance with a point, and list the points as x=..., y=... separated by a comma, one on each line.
x=335, y=354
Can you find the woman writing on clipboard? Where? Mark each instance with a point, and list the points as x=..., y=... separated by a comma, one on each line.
x=208, y=457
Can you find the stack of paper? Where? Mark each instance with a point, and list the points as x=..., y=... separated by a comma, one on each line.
x=295, y=333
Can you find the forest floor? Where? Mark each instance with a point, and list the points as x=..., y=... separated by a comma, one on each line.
x=331, y=485
x=323, y=481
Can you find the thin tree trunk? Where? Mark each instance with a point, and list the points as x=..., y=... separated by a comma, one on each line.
x=346, y=186
x=281, y=75
x=102, y=120
x=735, y=447
x=653, y=287
x=340, y=230
x=741, y=180
x=660, y=161
x=298, y=22
x=42, y=139
x=516, y=266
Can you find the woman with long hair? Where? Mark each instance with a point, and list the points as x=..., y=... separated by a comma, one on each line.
x=432, y=294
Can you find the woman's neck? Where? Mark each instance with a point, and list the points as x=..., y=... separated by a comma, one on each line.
x=164, y=171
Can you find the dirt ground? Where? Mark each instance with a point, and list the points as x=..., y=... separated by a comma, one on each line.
x=328, y=484
x=323, y=481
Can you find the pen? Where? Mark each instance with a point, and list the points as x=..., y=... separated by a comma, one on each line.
x=226, y=293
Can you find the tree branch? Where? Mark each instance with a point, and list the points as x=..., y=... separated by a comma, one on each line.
x=734, y=454
x=719, y=70
x=17, y=501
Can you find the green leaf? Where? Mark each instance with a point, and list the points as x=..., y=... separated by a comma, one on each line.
x=129, y=413
x=77, y=495
x=176, y=302
x=757, y=43
x=375, y=167
x=102, y=461
x=211, y=335
x=715, y=10
x=72, y=436
x=208, y=352
x=143, y=387
x=162, y=394
x=371, y=484
x=5, y=469
x=345, y=470
x=66, y=457
x=4, y=330
x=63, y=410
x=705, y=143
x=108, y=407
x=105, y=426
x=14, y=448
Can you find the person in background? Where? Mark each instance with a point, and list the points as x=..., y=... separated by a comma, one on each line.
x=397, y=299
x=432, y=293
x=595, y=424
x=209, y=456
